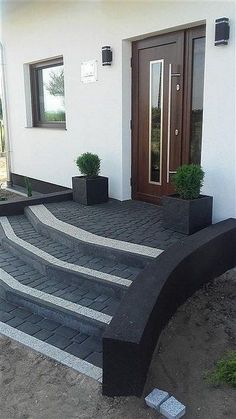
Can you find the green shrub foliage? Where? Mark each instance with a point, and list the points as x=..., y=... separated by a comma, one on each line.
x=89, y=164
x=28, y=186
x=224, y=372
x=188, y=181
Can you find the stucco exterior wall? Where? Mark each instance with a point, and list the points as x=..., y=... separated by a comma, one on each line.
x=98, y=114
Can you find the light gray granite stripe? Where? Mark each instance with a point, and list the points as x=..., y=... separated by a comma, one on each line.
x=10, y=234
x=57, y=302
x=46, y=217
x=58, y=355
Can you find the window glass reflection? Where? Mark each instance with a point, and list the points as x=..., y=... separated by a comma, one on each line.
x=197, y=100
x=51, y=94
x=155, y=128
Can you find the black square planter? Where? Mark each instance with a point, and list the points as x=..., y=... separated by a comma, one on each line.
x=187, y=216
x=90, y=190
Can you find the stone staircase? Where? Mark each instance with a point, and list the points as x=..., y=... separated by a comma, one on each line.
x=61, y=285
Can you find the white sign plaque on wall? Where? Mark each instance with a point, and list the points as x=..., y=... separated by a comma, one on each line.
x=89, y=71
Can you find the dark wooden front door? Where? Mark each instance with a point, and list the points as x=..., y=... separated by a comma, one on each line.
x=159, y=116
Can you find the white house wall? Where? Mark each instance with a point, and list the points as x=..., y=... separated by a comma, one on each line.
x=98, y=114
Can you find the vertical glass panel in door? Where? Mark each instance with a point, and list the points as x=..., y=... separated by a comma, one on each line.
x=197, y=100
x=155, y=120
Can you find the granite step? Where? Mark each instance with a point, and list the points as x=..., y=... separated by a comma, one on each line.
x=54, y=338
x=57, y=261
x=61, y=286
x=80, y=293
x=129, y=221
x=26, y=231
x=127, y=253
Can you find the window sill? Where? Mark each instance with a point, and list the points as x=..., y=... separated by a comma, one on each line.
x=51, y=128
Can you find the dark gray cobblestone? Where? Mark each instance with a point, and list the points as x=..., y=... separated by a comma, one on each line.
x=70, y=340
x=131, y=221
x=80, y=294
x=25, y=231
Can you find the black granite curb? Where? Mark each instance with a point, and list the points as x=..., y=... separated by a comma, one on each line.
x=131, y=337
x=14, y=207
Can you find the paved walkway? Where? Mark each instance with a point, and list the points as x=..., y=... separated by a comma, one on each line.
x=26, y=231
x=63, y=294
x=131, y=221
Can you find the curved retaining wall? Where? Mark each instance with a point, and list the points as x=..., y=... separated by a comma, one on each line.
x=166, y=283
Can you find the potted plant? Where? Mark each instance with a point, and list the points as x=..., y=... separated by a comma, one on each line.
x=187, y=211
x=89, y=188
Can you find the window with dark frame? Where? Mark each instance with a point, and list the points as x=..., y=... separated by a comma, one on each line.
x=47, y=91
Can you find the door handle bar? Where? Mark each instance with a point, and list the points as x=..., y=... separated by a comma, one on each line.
x=169, y=123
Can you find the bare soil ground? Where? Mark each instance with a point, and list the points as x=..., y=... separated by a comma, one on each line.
x=203, y=329
x=201, y=332
x=5, y=195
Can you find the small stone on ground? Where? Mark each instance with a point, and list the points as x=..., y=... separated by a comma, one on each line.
x=156, y=398
x=172, y=409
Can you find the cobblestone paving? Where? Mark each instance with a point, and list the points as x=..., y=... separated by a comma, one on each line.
x=81, y=294
x=23, y=229
x=131, y=221
x=83, y=346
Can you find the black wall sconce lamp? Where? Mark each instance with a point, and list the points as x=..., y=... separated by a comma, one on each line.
x=222, y=31
x=106, y=55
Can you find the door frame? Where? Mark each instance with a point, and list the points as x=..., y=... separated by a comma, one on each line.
x=188, y=35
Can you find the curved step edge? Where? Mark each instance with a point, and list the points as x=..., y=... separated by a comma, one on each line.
x=32, y=295
x=40, y=216
x=42, y=260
